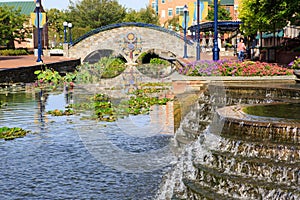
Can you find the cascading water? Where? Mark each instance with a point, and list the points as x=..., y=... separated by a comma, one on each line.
x=234, y=165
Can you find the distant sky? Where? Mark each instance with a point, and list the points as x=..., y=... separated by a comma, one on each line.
x=63, y=4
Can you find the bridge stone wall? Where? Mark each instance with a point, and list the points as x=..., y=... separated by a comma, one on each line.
x=130, y=42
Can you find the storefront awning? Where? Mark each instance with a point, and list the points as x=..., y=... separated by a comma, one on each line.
x=278, y=33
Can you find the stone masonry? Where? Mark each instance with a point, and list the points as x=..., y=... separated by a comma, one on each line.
x=131, y=42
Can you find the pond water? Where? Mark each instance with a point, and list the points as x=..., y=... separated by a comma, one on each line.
x=70, y=158
x=279, y=110
x=142, y=157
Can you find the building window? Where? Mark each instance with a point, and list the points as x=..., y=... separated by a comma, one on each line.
x=154, y=5
x=170, y=12
x=179, y=10
x=163, y=14
x=163, y=1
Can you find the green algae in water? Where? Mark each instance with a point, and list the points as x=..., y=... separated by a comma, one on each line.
x=287, y=111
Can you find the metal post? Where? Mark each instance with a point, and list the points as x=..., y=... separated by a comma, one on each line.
x=65, y=31
x=185, y=10
x=70, y=32
x=216, y=49
x=198, y=31
x=38, y=5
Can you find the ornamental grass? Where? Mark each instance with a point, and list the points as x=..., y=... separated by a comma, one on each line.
x=233, y=68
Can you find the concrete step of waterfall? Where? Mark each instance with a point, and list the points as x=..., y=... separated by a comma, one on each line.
x=240, y=126
x=254, y=94
x=203, y=191
x=237, y=186
x=262, y=169
x=256, y=149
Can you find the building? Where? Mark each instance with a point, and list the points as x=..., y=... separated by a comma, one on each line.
x=28, y=7
x=168, y=9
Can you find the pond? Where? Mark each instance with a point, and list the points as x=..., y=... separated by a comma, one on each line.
x=67, y=157
x=180, y=150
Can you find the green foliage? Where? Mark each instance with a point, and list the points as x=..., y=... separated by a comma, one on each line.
x=12, y=133
x=223, y=14
x=296, y=63
x=159, y=61
x=107, y=67
x=94, y=14
x=265, y=15
x=51, y=78
x=13, y=52
x=138, y=103
x=55, y=25
x=13, y=26
x=145, y=15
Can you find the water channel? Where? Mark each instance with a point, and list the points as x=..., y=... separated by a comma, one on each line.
x=171, y=153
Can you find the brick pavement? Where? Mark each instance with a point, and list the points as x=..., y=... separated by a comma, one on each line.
x=8, y=62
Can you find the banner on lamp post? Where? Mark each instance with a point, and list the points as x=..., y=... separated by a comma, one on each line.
x=34, y=19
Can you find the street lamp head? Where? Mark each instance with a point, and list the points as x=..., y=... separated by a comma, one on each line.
x=65, y=24
x=37, y=4
x=70, y=25
x=185, y=8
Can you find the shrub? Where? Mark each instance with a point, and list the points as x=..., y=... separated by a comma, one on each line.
x=158, y=61
x=13, y=52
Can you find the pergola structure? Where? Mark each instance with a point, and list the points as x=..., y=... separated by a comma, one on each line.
x=222, y=26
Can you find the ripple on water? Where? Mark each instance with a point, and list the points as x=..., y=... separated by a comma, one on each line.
x=55, y=164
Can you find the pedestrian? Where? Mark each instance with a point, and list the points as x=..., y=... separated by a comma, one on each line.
x=241, y=48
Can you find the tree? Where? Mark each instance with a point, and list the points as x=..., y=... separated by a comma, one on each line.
x=96, y=13
x=264, y=15
x=223, y=14
x=145, y=15
x=55, y=25
x=13, y=26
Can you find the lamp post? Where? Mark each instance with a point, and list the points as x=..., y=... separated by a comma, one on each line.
x=198, y=31
x=70, y=27
x=65, y=31
x=39, y=35
x=185, y=10
x=216, y=49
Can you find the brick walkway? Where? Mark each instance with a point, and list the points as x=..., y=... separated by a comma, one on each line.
x=8, y=62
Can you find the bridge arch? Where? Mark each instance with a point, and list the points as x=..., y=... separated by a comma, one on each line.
x=130, y=40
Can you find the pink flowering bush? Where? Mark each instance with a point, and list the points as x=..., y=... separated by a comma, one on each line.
x=233, y=68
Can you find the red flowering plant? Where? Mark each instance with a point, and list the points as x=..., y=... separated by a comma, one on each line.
x=234, y=68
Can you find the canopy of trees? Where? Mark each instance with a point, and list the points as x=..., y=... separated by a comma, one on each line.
x=265, y=15
x=87, y=15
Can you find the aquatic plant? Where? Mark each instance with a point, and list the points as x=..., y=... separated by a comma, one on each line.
x=49, y=78
x=138, y=103
x=2, y=104
x=7, y=133
x=57, y=112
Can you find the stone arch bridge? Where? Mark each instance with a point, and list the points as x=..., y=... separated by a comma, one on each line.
x=129, y=40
